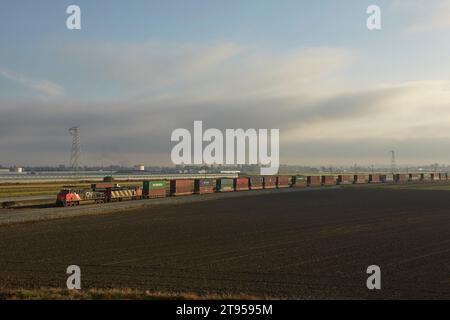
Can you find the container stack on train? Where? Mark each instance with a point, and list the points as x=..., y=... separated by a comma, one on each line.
x=374, y=178
x=154, y=189
x=241, y=184
x=181, y=187
x=328, y=180
x=314, y=181
x=345, y=179
x=299, y=181
x=224, y=185
x=359, y=179
x=434, y=177
x=270, y=182
x=284, y=181
x=256, y=182
x=204, y=186
x=387, y=178
x=401, y=178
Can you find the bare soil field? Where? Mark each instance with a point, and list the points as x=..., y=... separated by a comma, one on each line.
x=304, y=245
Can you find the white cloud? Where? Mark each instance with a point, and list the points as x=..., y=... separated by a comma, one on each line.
x=324, y=114
x=437, y=17
x=416, y=110
x=39, y=85
x=150, y=70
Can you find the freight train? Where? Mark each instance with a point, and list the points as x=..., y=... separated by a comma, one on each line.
x=110, y=192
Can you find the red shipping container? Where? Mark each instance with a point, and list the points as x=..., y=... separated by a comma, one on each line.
x=328, y=180
x=400, y=178
x=158, y=193
x=181, y=187
x=314, y=181
x=270, y=182
x=359, y=179
x=374, y=178
x=204, y=186
x=284, y=181
x=241, y=184
x=256, y=182
x=345, y=179
x=103, y=185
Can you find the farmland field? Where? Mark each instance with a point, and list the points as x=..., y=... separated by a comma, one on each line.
x=309, y=245
x=9, y=190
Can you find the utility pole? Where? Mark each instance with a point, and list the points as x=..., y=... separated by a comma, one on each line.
x=76, y=149
x=393, y=165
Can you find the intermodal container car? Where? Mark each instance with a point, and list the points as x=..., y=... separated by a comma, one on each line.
x=154, y=189
x=359, y=179
x=299, y=181
x=345, y=179
x=401, y=178
x=203, y=186
x=181, y=187
x=224, y=185
x=256, y=182
x=314, y=181
x=241, y=184
x=102, y=185
x=387, y=178
x=434, y=176
x=284, y=181
x=443, y=176
x=413, y=177
x=374, y=178
x=425, y=177
x=328, y=180
x=270, y=182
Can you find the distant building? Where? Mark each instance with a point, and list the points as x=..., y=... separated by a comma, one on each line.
x=18, y=169
x=139, y=167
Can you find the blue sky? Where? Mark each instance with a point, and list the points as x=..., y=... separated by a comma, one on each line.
x=342, y=93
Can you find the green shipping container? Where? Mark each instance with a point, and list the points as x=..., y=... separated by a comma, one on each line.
x=155, y=185
x=299, y=178
x=225, y=185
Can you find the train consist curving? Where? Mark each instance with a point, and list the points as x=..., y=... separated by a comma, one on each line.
x=110, y=192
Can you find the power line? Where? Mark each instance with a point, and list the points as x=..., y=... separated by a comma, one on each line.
x=76, y=149
x=393, y=165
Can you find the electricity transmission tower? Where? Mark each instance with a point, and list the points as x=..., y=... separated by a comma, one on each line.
x=76, y=150
x=393, y=165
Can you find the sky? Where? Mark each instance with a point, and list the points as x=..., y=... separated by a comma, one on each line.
x=137, y=70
